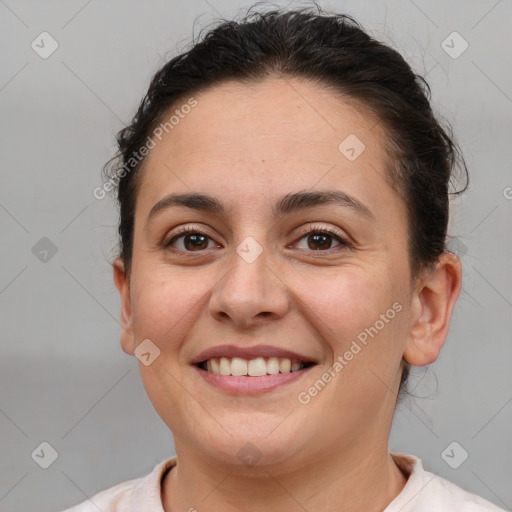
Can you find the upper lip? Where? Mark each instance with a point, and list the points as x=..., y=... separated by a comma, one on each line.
x=249, y=353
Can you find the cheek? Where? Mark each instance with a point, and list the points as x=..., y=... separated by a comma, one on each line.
x=166, y=303
x=359, y=316
x=344, y=302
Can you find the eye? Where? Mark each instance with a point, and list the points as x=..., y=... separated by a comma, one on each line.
x=315, y=238
x=190, y=240
x=321, y=239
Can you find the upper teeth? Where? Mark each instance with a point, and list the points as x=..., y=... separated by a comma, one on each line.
x=254, y=367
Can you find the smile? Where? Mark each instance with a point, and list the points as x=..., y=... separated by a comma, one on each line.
x=257, y=367
x=246, y=377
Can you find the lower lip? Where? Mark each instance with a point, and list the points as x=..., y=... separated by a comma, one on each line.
x=250, y=385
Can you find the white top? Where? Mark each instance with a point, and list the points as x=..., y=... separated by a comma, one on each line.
x=423, y=492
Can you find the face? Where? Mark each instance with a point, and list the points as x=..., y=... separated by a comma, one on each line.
x=262, y=271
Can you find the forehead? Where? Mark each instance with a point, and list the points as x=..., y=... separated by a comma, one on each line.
x=268, y=116
x=267, y=138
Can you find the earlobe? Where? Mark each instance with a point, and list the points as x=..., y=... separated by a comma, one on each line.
x=431, y=310
x=122, y=283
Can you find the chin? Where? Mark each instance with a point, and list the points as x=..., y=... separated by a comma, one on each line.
x=259, y=444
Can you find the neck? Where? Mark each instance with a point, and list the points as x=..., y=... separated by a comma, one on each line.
x=336, y=482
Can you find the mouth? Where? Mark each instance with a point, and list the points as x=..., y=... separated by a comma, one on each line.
x=236, y=369
x=257, y=367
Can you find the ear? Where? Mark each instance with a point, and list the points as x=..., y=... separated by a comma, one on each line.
x=123, y=287
x=431, y=307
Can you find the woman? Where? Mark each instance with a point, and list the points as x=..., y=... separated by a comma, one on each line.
x=283, y=194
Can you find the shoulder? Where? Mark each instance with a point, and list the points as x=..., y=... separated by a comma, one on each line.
x=115, y=499
x=425, y=492
x=137, y=495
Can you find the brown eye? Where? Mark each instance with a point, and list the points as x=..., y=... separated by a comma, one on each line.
x=190, y=241
x=319, y=241
x=195, y=242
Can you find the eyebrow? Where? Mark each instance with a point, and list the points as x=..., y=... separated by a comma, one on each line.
x=290, y=203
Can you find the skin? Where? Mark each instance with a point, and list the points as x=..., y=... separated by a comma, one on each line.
x=249, y=145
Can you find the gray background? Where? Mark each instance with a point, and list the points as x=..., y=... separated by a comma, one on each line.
x=64, y=378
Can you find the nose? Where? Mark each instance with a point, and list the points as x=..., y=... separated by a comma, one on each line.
x=249, y=294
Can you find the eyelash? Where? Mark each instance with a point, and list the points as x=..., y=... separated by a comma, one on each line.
x=314, y=229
